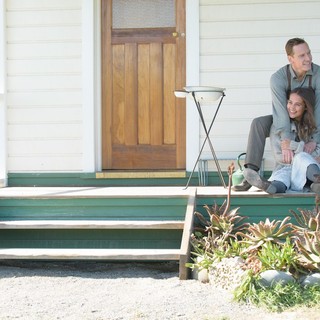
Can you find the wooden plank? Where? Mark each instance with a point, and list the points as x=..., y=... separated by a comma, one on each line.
x=145, y=35
x=169, y=107
x=144, y=94
x=90, y=254
x=91, y=224
x=156, y=93
x=106, y=82
x=140, y=174
x=118, y=102
x=180, y=83
x=186, y=236
x=131, y=98
x=144, y=157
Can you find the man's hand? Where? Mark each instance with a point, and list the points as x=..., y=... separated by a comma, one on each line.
x=309, y=147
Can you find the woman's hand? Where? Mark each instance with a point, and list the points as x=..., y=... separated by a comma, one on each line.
x=287, y=154
x=309, y=147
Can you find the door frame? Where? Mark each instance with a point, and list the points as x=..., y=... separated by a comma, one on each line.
x=91, y=84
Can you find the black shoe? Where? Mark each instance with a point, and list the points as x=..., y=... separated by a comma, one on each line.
x=243, y=186
x=256, y=180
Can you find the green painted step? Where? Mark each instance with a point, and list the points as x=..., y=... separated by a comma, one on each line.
x=96, y=227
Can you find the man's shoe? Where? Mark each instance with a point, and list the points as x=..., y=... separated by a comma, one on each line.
x=256, y=180
x=243, y=186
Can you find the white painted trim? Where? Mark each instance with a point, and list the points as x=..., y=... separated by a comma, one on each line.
x=3, y=106
x=192, y=73
x=88, y=85
x=91, y=66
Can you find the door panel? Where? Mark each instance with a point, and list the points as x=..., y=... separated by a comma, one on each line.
x=143, y=123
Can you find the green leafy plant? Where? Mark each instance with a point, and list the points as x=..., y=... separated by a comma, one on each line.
x=280, y=257
x=268, y=231
x=278, y=297
x=200, y=261
x=246, y=291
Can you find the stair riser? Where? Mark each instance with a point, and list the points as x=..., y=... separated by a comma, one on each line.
x=107, y=239
x=99, y=208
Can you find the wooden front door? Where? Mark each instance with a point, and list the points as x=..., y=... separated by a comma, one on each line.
x=143, y=123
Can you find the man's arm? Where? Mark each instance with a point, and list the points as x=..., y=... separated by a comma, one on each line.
x=281, y=121
x=315, y=85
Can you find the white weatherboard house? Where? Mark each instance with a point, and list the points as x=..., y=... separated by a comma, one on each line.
x=71, y=100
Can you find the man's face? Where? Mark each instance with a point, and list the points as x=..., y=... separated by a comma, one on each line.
x=301, y=59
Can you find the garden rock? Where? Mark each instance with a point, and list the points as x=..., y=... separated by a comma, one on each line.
x=227, y=273
x=272, y=277
x=200, y=274
x=311, y=279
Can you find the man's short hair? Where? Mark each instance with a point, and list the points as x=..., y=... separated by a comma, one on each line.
x=291, y=43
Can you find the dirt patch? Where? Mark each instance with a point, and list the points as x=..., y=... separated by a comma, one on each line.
x=98, y=290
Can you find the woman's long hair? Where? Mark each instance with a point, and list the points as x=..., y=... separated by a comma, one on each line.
x=307, y=124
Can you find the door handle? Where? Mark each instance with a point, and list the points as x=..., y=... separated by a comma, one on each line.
x=177, y=34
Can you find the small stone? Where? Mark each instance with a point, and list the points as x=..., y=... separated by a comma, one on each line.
x=271, y=277
x=311, y=279
x=203, y=276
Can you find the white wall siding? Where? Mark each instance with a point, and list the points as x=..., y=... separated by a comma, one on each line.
x=241, y=45
x=3, y=112
x=44, y=85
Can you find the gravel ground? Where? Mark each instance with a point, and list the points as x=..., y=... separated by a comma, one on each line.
x=101, y=291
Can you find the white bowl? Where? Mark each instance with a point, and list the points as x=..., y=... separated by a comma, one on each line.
x=203, y=88
x=181, y=93
x=208, y=96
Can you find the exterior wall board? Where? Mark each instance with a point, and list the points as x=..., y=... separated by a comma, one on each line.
x=241, y=44
x=3, y=106
x=44, y=85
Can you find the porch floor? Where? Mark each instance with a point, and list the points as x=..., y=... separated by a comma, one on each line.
x=136, y=191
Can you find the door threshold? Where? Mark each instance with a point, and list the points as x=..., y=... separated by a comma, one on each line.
x=120, y=174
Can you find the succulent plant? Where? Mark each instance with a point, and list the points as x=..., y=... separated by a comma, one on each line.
x=223, y=222
x=218, y=227
x=307, y=220
x=309, y=249
x=269, y=231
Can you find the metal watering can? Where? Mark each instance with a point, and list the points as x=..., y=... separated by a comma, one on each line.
x=237, y=176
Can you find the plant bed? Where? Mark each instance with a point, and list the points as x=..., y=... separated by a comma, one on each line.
x=271, y=264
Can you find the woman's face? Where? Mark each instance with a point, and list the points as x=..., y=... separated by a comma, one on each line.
x=295, y=106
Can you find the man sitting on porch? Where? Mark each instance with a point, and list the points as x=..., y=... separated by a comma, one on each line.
x=300, y=72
